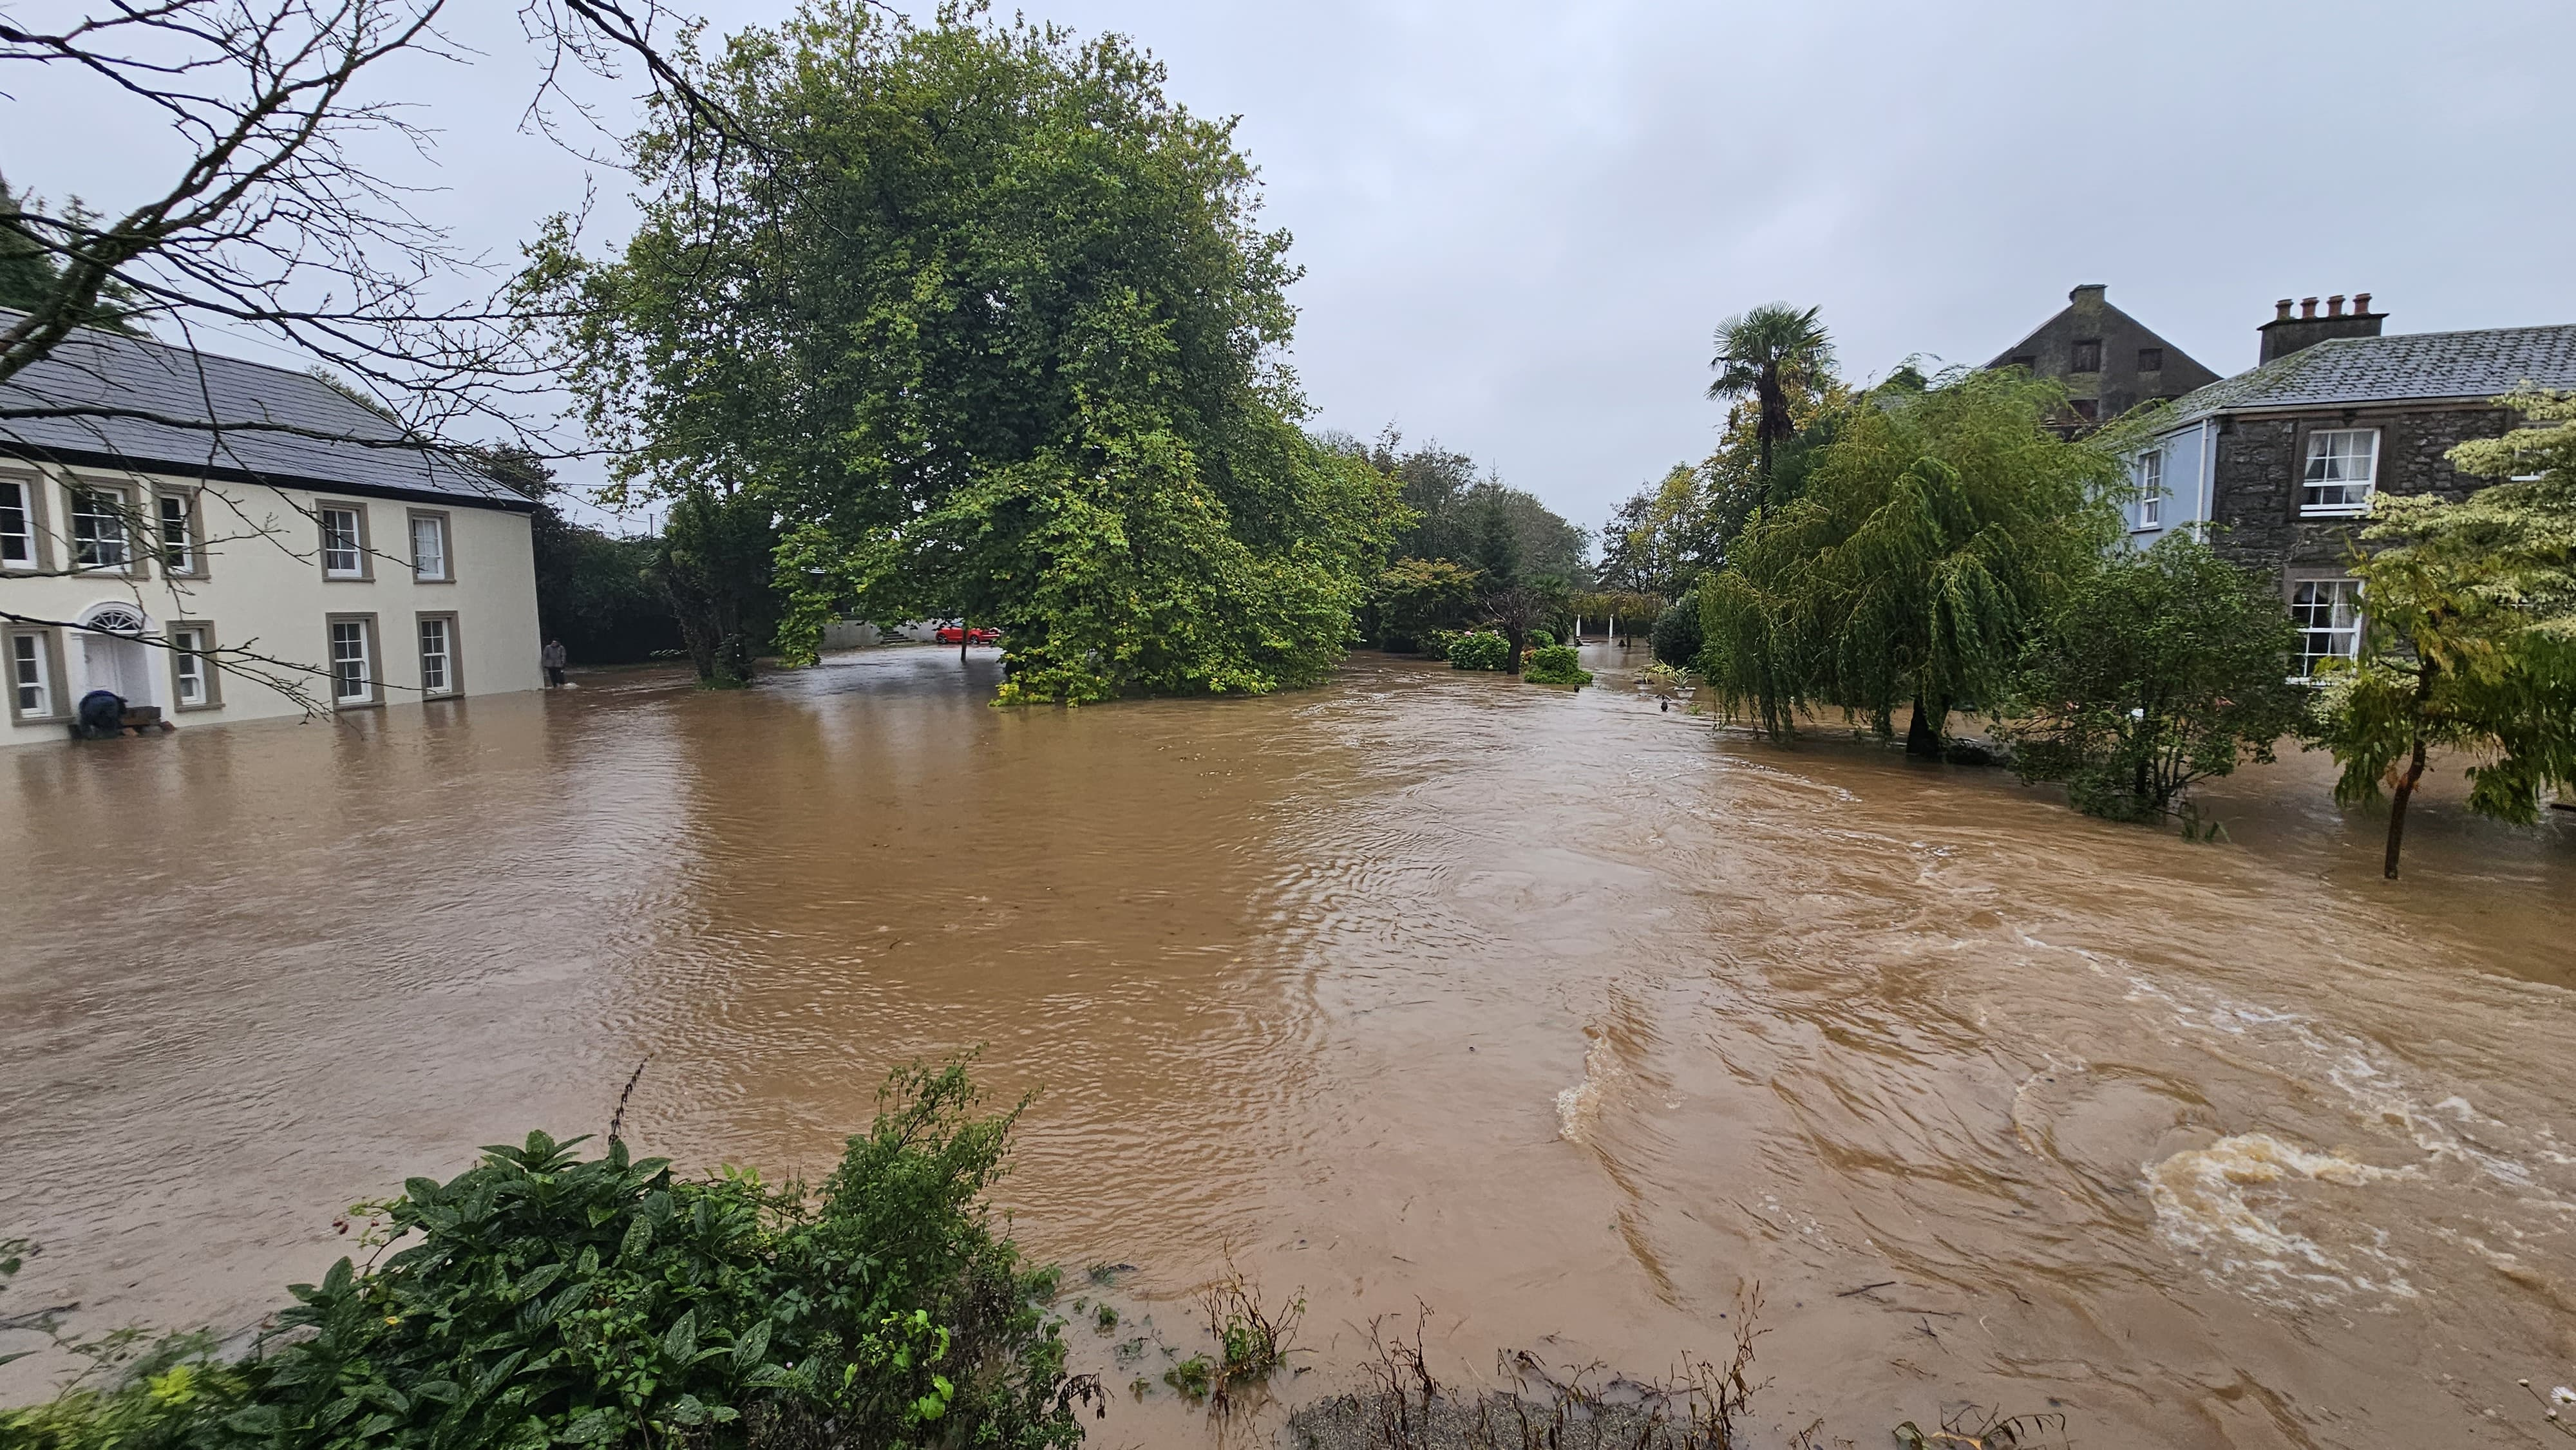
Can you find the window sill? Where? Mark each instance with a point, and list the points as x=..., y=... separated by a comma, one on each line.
x=443, y=579
x=348, y=579
x=2333, y=511
x=197, y=709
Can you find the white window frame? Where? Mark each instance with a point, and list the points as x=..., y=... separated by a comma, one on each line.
x=2342, y=621
x=188, y=668
x=445, y=655
x=181, y=557
x=25, y=532
x=89, y=554
x=362, y=633
x=2150, y=475
x=31, y=669
x=445, y=571
x=353, y=544
x=2321, y=457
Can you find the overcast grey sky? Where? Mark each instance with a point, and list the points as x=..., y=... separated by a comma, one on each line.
x=1520, y=222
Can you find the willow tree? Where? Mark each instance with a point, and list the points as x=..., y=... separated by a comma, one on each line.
x=2469, y=632
x=989, y=324
x=1933, y=532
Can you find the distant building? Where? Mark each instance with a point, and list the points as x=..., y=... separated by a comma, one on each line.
x=177, y=503
x=2278, y=464
x=2108, y=361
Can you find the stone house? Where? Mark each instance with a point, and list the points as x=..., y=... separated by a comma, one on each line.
x=2277, y=465
x=159, y=506
x=2108, y=361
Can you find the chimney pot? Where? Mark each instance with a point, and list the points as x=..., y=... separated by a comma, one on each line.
x=2307, y=307
x=2361, y=304
x=2281, y=310
x=2334, y=305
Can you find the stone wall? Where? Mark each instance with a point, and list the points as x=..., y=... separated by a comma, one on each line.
x=2262, y=461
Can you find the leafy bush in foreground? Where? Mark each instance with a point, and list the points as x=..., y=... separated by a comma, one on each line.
x=1555, y=665
x=542, y=1299
x=1482, y=650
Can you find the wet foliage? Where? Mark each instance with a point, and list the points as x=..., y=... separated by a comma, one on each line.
x=1480, y=650
x=2163, y=669
x=543, y=1298
x=1555, y=665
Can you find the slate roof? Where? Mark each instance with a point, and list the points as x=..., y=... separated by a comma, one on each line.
x=2410, y=367
x=115, y=373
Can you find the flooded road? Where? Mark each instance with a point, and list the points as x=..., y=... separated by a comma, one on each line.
x=1551, y=1012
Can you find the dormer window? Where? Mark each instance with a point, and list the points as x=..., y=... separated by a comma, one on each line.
x=2343, y=471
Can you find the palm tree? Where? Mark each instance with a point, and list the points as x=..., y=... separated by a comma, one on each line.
x=1766, y=351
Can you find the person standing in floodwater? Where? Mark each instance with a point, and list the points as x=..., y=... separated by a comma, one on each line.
x=554, y=658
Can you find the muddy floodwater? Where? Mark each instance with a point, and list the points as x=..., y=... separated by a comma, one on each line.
x=1552, y=1012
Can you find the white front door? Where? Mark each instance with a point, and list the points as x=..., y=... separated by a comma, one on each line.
x=121, y=665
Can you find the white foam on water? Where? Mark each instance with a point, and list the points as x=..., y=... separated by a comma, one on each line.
x=2204, y=1206
x=1579, y=1107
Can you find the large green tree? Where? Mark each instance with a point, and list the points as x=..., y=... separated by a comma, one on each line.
x=2167, y=667
x=986, y=323
x=1934, y=530
x=2469, y=632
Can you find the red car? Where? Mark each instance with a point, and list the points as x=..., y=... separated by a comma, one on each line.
x=959, y=634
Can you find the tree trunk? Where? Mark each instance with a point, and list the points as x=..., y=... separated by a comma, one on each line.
x=2397, y=807
x=1922, y=735
x=1514, y=638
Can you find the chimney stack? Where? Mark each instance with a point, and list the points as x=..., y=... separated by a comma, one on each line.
x=2284, y=334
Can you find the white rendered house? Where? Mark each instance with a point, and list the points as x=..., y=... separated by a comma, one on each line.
x=166, y=515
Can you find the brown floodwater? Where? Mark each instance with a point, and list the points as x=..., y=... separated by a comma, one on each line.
x=1557, y=1014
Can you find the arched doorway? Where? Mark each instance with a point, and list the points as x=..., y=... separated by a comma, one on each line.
x=113, y=656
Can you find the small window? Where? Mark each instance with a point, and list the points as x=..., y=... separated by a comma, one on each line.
x=2086, y=409
x=191, y=684
x=2328, y=613
x=178, y=542
x=2151, y=489
x=429, y=548
x=17, y=525
x=437, y=655
x=98, y=528
x=2343, y=468
x=2085, y=356
x=353, y=665
x=344, y=543
x=31, y=677
x=2151, y=359
x=2026, y=363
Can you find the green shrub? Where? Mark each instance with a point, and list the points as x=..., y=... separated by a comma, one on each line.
x=1439, y=641
x=1676, y=638
x=541, y=1298
x=1555, y=665
x=1481, y=650
x=1540, y=639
